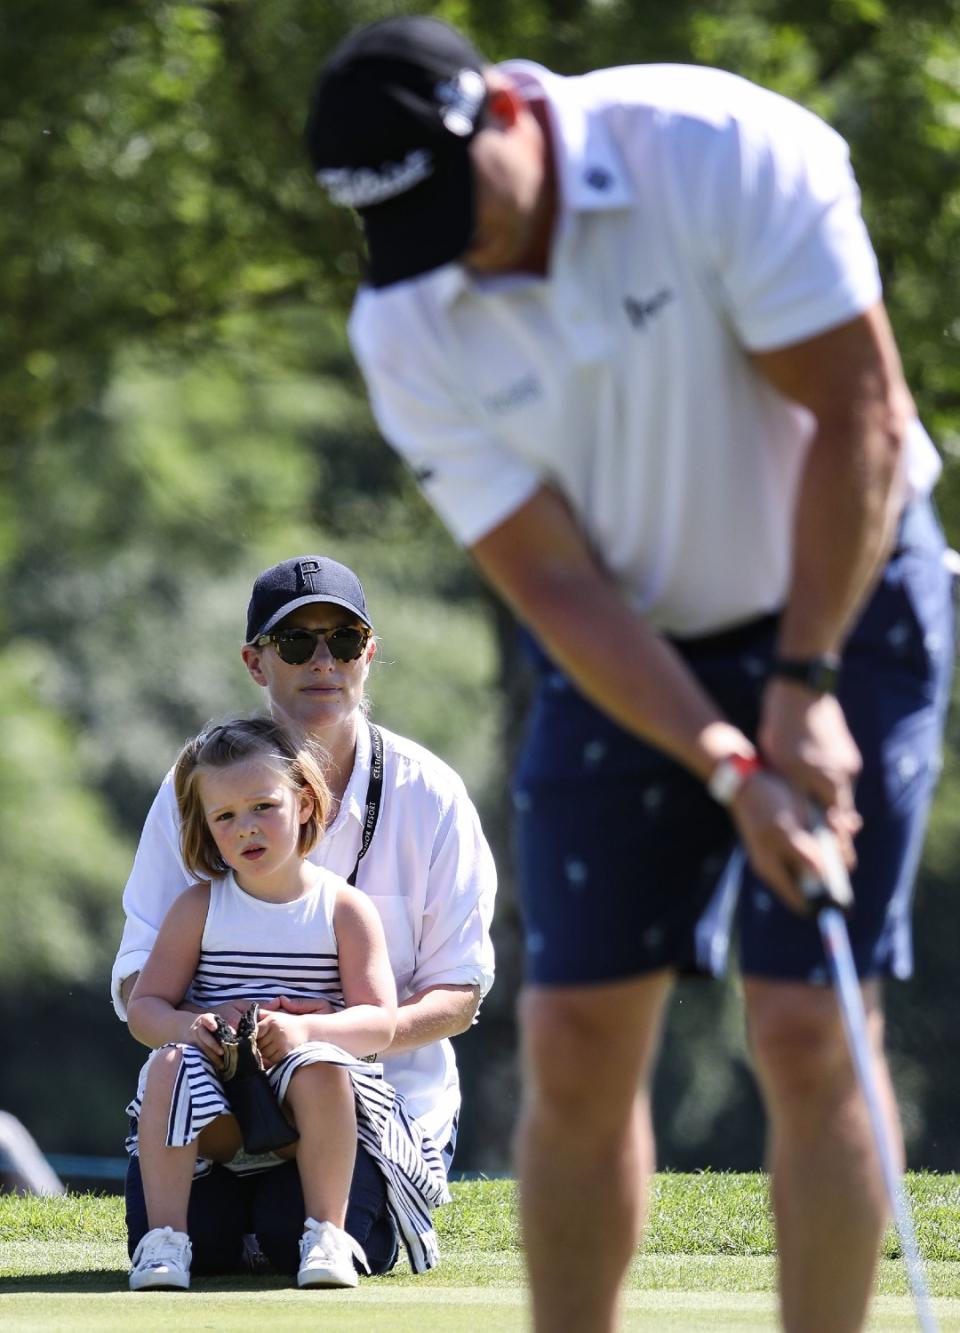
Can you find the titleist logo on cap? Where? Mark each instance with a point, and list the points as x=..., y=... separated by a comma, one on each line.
x=359, y=187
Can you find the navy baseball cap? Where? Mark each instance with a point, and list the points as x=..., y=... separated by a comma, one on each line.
x=389, y=129
x=298, y=582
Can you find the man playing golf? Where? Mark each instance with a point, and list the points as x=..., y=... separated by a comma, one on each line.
x=627, y=328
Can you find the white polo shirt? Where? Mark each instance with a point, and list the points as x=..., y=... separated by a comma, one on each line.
x=700, y=215
x=429, y=873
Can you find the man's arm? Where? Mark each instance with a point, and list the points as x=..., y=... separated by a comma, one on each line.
x=849, y=500
x=540, y=563
x=850, y=493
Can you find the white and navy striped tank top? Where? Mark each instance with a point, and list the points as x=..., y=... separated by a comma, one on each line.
x=256, y=950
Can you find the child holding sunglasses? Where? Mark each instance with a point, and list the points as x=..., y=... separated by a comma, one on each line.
x=263, y=922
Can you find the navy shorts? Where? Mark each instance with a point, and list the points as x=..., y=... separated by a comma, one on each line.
x=626, y=863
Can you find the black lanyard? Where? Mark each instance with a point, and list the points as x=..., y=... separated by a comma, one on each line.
x=374, y=793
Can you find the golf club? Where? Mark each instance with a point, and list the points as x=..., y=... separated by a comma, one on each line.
x=830, y=898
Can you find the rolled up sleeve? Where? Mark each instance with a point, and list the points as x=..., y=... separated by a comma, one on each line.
x=455, y=947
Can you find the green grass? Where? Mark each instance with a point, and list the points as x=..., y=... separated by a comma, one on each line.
x=708, y=1260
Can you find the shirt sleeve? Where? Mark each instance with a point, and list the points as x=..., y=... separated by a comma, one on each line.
x=781, y=207
x=158, y=877
x=455, y=947
x=472, y=482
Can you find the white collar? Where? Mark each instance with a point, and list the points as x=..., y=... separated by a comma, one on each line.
x=590, y=170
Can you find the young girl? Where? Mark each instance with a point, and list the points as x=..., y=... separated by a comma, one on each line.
x=264, y=923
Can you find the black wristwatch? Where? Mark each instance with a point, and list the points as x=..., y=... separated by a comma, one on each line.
x=820, y=674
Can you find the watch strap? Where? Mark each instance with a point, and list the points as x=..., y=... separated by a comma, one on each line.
x=821, y=674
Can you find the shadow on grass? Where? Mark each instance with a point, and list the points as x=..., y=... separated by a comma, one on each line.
x=53, y=1282
x=111, y=1280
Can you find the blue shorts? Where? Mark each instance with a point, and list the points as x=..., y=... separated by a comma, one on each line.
x=628, y=866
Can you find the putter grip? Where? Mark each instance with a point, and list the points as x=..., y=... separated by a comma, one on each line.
x=833, y=889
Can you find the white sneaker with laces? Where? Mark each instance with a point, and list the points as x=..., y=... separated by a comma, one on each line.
x=161, y=1262
x=326, y=1256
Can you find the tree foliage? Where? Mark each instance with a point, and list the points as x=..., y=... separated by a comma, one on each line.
x=179, y=408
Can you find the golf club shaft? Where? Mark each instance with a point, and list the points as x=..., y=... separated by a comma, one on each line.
x=836, y=943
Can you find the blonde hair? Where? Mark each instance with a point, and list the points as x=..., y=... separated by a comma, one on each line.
x=219, y=746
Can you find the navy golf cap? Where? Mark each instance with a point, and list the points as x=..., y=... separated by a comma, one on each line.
x=298, y=582
x=390, y=124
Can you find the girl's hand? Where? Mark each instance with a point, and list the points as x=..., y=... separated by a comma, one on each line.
x=200, y=1032
x=232, y=1011
x=278, y=1034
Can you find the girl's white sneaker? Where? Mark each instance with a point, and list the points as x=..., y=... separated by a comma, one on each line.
x=161, y=1262
x=326, y=1256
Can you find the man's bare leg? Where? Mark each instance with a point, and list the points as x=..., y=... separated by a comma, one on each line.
x=585, y=1143
x=828, y=1194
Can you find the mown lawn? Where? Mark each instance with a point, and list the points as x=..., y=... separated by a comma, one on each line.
x=708, y=1262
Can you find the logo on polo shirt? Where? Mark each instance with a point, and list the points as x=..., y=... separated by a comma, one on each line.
x=517, y=394
x=360, y=187
x=598, y=178
x=639, y=312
